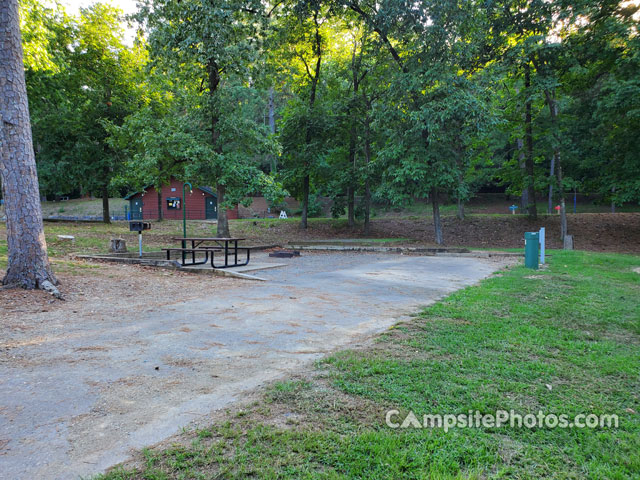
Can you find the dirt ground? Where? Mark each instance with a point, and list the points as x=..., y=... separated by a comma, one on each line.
x=134, y=354
x=132, y=302
x=599, y=232
x=111, y=289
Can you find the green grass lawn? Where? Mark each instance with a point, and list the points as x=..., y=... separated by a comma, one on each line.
x=563, y=340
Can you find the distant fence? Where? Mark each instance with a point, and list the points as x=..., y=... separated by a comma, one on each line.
x=116, y=215
x=82, y=218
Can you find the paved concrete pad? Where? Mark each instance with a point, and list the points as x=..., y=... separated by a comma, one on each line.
x=77, y=402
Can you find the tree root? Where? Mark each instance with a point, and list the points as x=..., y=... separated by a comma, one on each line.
x=47, y=286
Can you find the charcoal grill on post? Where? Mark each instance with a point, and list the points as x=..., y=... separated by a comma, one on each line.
x=139, y=227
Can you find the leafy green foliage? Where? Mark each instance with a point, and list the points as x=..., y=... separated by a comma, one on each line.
x=88, y=83
x=209, y=50
x=345, y=99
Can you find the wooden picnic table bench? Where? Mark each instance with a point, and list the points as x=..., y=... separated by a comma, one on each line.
x=204, y=245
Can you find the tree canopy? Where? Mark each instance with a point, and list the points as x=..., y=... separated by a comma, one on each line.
x=358, y=101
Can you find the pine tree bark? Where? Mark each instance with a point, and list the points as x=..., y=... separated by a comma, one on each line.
x=28, y=262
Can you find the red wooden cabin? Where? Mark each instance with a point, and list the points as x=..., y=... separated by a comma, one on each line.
x=200, y=204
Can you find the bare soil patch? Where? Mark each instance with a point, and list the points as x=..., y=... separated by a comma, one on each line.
x=102, y=290
x=127, y=360
x=598, y=232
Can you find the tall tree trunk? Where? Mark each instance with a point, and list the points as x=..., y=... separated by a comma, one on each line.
x=460, y=165
x=315, y=77
x=367, y=207
x=613, y=203
x=305, y=201
x=28, y=262
x=552, y=173
x=223, y=221
x=351, y=206
x=351, y=190
x=159, y=190
x=367, y=186
x=353, y=133
x=435, y=202
x=524, y=198
x=529, y=165
x=106, y=215
x=563, y=207
x=553, y=110
x=272, y=127
x=460, y=209
x=222, y=229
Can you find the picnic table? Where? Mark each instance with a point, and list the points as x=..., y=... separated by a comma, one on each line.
x=207, y=246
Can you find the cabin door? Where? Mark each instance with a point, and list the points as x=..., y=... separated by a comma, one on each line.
x=211, y=208
x=135, y=205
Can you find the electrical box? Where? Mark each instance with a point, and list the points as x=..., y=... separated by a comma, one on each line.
x=139, y=226
x=531, y=249
x=173, y=203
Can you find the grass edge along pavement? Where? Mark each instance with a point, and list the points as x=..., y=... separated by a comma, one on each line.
x=564, y=339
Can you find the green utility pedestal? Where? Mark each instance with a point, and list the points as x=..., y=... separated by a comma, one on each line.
x=531, y=249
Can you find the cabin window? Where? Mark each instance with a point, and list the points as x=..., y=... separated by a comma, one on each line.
x=173, y=203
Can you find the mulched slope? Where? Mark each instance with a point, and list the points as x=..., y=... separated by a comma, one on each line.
x=600, y=232
x=595, y=232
